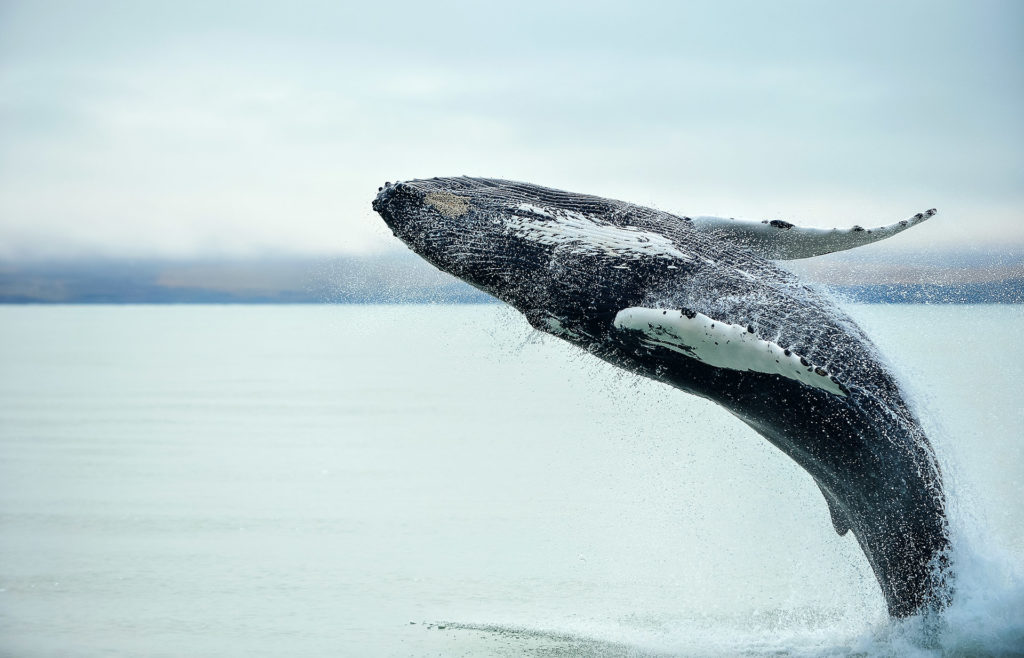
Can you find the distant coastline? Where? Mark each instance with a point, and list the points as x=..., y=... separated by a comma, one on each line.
x=402, y=279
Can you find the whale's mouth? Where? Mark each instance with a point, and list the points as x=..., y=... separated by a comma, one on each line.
x=431, y=218
x=403, y=208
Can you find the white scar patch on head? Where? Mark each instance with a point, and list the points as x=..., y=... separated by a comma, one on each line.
x=722, y=345
x=586, y=235
x=448, y=204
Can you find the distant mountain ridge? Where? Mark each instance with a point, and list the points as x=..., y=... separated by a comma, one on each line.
x=403, y=278
x=392, y=279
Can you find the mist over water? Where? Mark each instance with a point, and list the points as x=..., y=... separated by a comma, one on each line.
x=380, y=480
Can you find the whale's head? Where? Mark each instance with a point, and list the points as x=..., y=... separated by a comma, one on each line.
x=569, y=262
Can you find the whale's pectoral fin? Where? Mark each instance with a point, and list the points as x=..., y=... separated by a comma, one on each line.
x=840, y=521
x=722, y=345
x=781, y=240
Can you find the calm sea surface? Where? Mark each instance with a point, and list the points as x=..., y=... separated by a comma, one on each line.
x=441, y=480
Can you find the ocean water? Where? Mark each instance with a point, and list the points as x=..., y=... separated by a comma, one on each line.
x=442, y=480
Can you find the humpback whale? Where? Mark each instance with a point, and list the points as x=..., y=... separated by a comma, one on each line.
x=699, y=304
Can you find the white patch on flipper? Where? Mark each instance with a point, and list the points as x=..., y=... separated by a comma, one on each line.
x=784, y=241
x=721, y=345
x=588, y=235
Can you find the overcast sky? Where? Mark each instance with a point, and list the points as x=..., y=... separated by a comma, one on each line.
x=201, y=128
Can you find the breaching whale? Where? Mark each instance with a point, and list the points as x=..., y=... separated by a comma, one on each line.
x=697, y=303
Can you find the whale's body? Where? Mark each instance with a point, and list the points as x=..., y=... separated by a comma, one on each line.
x=697, y=303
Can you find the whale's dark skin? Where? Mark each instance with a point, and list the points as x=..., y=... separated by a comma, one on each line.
x=865, y=449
